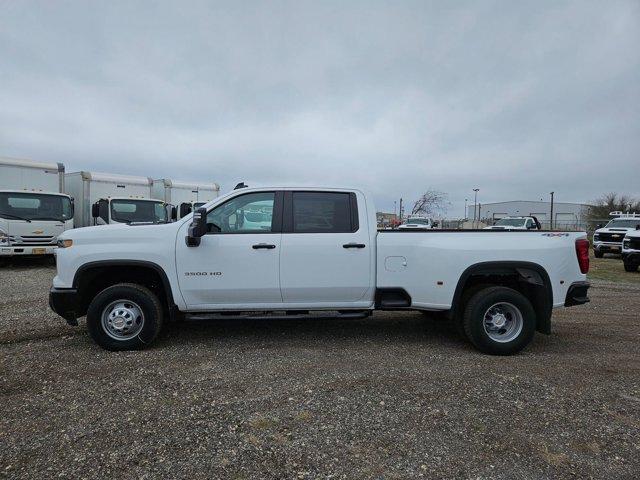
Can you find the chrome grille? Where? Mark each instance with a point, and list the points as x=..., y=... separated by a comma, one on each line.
x=31, y=240
x=611, y=237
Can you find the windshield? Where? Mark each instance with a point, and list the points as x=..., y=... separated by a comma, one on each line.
x=624, y=223
x=35, y=206
x=510, y=222
x=418, y=221
x=128, y=211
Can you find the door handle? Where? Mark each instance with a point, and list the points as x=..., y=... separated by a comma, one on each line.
x=353, y=245
x=265, y=246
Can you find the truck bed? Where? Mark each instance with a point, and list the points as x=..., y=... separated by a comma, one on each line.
x=428, y=264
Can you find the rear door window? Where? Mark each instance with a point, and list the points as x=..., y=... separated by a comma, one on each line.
x=324, y=212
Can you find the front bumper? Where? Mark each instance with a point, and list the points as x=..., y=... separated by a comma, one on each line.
x=10, y=251
x=66, y=303
x=612, y=247
x=577, y=294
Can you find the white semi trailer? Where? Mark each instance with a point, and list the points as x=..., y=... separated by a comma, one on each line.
x=185, y=196
x=105, y=198
x=33, y=207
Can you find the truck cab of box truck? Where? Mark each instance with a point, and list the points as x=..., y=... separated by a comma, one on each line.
x=185, y=208
x=184, y=196
x=33, y=209
x=103, y=198
x=129, y=210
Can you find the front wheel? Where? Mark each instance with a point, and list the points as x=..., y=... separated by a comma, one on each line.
x=630, y=267
x=499, y=321
x=125, y=316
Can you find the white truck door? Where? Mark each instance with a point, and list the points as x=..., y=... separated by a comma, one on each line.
x=326, y=250
x=236, y=264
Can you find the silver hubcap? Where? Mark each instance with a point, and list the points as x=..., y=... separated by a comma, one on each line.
x=122, y=319
x=503, y=322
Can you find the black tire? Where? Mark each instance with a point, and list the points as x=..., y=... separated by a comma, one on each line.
x=142, y=297
x=474, y=320
x=630, y=267
x=458, y=319
x=598, y=254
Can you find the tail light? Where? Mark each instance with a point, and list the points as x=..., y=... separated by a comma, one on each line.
x=582, y=252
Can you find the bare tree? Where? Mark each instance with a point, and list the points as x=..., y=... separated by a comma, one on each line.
x=612, y=202
x=432, y=202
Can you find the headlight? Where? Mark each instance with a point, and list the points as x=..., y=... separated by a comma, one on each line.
x=4, y=238
x=596, y=236
x=65, y=243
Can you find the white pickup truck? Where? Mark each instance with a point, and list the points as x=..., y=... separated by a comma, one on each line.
x=631, y=250
x=608, y=239
x=304, y=252
x=516, y=223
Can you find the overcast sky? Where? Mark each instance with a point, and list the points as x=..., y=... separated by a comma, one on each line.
x=396, y=97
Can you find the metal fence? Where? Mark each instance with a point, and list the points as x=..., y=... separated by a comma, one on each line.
x=588, y=226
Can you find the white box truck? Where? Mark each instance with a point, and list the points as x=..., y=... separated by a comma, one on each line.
x=185, y=196
x=105, y=198
x=33, y=208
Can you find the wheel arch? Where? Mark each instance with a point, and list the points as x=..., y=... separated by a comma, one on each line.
x=530, y=279
x=93, y=277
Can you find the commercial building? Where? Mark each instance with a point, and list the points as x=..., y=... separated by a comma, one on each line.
x=565, y=215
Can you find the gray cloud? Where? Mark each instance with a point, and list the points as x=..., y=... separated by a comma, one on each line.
x=515, y=99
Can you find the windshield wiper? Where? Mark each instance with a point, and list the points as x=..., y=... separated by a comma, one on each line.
x=11, y=215
x=49, y=218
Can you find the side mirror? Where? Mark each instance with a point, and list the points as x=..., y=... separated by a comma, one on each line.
x=198, y=228
x=174, y=213
x=599, y=225
x=95, y=210
x=185, y=209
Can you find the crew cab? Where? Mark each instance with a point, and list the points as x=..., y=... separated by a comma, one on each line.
x=608, y=239
x=516, y=223
x=631, y=250
x=308, y=252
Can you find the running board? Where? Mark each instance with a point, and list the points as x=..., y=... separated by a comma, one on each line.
x=277, y=315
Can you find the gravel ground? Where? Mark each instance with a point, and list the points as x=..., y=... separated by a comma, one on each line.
x=394, y=396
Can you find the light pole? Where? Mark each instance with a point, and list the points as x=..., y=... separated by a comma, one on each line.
x=465, y=208
x=551, y=220
x=475, y=205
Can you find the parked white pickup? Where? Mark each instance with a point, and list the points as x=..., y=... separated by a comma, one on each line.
x=313, y=251
x=631, y=250
x=515, y=223
x=608, y=239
